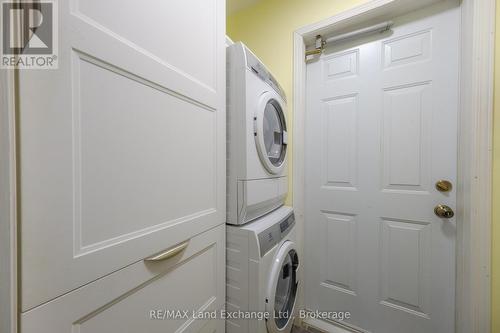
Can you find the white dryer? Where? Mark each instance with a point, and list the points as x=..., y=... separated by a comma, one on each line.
x=256, y=138
x=261, y=271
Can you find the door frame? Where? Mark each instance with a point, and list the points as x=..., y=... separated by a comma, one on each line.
x=8, y=205
x=474, y=182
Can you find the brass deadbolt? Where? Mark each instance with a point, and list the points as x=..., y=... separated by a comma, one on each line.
x=443, y=186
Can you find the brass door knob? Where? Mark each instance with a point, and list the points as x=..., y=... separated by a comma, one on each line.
x=444, y=211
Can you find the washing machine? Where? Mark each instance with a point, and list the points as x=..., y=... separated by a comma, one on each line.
x=262, y=263
x=257, y=138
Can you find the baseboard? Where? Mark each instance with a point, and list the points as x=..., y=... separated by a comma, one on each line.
x=320, y=326
x=323, y=326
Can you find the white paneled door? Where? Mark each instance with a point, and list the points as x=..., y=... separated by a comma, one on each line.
x=121, y=149
x=381, y=131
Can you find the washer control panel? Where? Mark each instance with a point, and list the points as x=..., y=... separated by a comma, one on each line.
x=275, y=233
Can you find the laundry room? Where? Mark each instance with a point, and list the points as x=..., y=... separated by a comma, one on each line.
x=250, y=166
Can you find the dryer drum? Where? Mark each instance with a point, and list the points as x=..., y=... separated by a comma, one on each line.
x=271, y=137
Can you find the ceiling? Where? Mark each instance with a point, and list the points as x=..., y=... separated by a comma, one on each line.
x=233, y=6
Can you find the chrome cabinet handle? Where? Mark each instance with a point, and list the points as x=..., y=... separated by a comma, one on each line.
x=172, y=252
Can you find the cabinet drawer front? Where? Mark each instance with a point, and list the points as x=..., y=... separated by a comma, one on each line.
x=144, y=297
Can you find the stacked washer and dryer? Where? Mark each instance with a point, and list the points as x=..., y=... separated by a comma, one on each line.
x=261, y=256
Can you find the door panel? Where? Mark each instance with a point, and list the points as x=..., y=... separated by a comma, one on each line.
x=339, y=271
x=405, y=265
x=407, y=49
x=406, y=144
x=128, y=300
x=122, y=149
x=381, y=129
x=340, y=142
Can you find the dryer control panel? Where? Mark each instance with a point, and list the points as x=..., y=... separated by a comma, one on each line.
x=256, y=66
x=275, y=233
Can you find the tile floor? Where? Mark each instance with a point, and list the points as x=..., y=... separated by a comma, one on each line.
x=297, y=329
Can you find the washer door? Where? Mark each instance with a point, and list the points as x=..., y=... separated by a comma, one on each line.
x=282, y=289
x=270, y=132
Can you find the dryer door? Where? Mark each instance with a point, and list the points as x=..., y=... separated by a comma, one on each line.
x=270, y=132
x=282, y=289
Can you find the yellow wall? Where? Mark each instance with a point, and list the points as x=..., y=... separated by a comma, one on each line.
x=496, y=186
x=267, y=28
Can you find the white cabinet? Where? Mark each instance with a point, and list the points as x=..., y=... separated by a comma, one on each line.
x=121, y=155
x=123, y=301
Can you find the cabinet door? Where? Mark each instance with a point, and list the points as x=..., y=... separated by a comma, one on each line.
x=137, y=298
x=121, y=148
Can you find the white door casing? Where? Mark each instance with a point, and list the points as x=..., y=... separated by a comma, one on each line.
x=380, y=130
x=122, y=149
